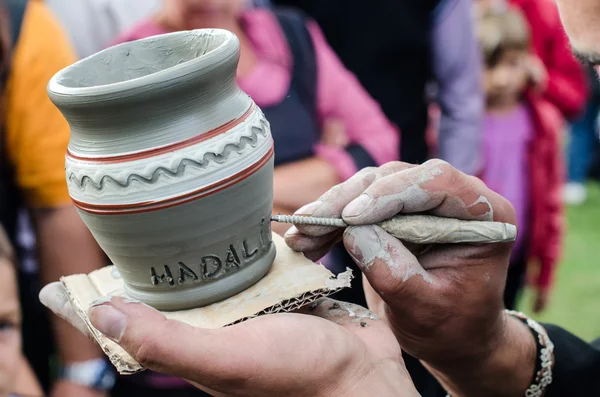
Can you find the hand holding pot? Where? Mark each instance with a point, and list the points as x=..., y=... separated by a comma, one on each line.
x=332, y=349
x=443, y=302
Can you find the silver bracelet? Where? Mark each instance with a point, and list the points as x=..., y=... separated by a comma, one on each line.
x=545, y=361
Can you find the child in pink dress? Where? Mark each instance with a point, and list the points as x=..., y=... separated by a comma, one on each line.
x=522, y=160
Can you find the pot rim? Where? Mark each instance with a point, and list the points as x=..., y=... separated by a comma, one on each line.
x=60, y=92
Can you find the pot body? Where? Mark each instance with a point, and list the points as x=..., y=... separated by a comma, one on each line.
x=170, y=166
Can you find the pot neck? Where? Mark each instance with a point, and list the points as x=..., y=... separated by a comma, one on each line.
x=150, y=93
x=137, y=123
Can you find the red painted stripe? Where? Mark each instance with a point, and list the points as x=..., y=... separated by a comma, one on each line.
x=121, y=209
x=166, y=149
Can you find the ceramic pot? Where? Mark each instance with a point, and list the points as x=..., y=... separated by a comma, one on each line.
x=170, y=165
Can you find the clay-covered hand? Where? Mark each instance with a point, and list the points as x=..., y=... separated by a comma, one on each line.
x=330, y=349
x=443, y=302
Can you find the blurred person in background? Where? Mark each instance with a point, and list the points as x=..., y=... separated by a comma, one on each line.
x=400, y=47
x=16, y=376
x=522, y=156
x=554, y=71
x=560, y=79
x=34, y=138
x=396, y=48
x=580, y=19
x=583, y=147
x=324, y=124
x=92, y=24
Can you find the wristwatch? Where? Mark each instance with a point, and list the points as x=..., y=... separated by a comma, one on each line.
x=95, y=374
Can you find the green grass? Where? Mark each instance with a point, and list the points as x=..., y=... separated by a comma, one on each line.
x=575, y=302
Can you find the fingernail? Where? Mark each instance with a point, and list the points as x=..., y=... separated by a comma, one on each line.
x=357, y=206
x=363, y=244
x=54, y=298
x=109, y=321
x=309, y=209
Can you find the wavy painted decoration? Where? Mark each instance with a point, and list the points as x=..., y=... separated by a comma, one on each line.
x=82, y=182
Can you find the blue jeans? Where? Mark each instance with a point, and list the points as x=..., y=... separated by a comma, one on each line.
x=583, y=143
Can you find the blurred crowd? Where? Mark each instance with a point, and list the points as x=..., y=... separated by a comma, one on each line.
x=490, y=86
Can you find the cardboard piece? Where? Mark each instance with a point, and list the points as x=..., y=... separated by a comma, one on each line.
x=293, y=282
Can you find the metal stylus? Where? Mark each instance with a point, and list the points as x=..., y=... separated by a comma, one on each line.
x=424, y=229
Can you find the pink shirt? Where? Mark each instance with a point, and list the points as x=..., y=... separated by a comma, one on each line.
x=508, y=136
x=340, y=96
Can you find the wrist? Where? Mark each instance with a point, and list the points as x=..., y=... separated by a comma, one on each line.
x=390, y=379
x=506, y=371
x=95, y=374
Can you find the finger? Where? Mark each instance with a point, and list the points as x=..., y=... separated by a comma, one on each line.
x=314, y=248
x=384, y=260
x=419, y=291
x=55, y=298
x=434, y=187
x=332, y=203
x=396, y=275
x=171, y=347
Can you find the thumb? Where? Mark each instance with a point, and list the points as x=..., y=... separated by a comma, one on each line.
x=166, y=346
x=389, y=266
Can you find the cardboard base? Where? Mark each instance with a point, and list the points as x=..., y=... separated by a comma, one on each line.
x=292, y=282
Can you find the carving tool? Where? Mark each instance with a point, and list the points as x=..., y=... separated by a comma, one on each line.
x=424, y=229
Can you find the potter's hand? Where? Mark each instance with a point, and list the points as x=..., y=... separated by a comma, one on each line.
x=443, y=302
x=333, y=349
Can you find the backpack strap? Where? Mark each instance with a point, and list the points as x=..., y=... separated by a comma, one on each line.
x=9, y=193
x=305, y=71
x=304, y=76
x=16, y=13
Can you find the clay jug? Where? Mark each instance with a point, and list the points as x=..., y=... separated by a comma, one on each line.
x=170, y=165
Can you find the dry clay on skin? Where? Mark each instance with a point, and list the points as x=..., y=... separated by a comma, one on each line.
x=340, y=312
x=415, y=199
x=413, y=196
x=371, y=243
x=423, y=229
x=355, y=312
